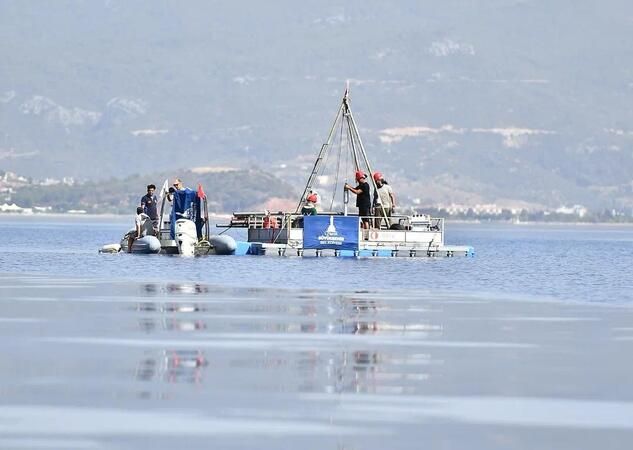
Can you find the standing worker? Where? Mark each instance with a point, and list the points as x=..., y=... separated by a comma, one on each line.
x=177, y=186
x=363, y=198
x=384, y=201
x=149, y=203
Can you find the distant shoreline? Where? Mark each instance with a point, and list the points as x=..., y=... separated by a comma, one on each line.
x=87, y=216
x=122, y=217
x=521, y=224
x=65, y=215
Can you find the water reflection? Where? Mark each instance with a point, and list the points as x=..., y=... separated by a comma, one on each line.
x=169, y=307
x=175, y=366
x=149, y=325
x=175, y=288
x=354, y=311
x=366, y=371
x=374, y=370
x=373, y=363
x=359, y=327
x=172, y=366
x=363, y=306
x=311, y=310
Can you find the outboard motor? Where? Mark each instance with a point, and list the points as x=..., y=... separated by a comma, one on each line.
x=186, y=237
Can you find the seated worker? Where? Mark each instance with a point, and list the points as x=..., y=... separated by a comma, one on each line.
x=309, y=209
x=142, y=227
x=363, y=198
x=384, y=201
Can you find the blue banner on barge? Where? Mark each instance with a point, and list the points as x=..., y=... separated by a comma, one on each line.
x=333, y=232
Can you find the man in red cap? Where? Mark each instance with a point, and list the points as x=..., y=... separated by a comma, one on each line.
x=363, y=198
x=309, y=209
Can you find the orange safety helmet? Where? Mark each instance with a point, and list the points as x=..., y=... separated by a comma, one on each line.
x=377, y=176
x=359, y=175
x=312, y=198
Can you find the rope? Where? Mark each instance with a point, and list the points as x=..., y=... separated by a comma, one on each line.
x=338, y=166
x=346, y=160
x=353, y=143
x=285, y=221
x=323, y=166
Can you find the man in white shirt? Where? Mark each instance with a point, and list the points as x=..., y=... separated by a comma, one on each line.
x=384, y=201
x=142, y=227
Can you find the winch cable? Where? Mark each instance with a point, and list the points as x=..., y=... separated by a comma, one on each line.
x=338, y=166
x=346, y=161
x=317, y=171
x=319, y=159
x=352, y=142
x=224, y=231
x=324, y=165
x=358, y=148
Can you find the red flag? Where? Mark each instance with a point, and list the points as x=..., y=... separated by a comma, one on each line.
x=201, y=193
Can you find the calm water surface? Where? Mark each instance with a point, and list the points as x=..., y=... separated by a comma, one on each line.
x=584, y=263
x=524, y=346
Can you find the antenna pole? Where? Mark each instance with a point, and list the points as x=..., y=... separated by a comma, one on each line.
x=347, y=114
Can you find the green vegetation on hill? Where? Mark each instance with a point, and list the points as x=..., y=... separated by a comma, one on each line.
x=226, y=192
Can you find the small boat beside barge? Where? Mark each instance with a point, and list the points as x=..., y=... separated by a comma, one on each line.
x=183, y=229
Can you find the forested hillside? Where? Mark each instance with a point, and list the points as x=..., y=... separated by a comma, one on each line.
x=507, y=102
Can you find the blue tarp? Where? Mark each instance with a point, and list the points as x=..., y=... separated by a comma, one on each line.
x=186, y=205
x=337, y=232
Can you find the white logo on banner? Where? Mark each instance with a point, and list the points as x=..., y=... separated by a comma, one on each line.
x=330, y=236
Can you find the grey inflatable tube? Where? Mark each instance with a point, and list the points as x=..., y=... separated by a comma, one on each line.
x=223, y=245
x=146, y=245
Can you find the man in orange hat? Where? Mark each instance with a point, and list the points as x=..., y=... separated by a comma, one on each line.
x=363, y=198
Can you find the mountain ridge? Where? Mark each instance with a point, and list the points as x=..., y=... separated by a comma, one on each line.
x=502, y=100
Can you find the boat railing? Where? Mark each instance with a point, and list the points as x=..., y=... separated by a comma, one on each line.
x=279, y=220
x=261, y=220
x=398, y=222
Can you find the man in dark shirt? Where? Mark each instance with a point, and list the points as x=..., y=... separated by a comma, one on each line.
x=149, y=203
x=363, y=198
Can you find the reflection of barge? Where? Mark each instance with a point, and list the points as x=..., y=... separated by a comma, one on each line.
x=339, y=233
x=174, y=366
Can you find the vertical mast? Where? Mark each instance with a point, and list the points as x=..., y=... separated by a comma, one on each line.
x=356, y=147
x=364, y=156
x=351, y=134
x=317, y=164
